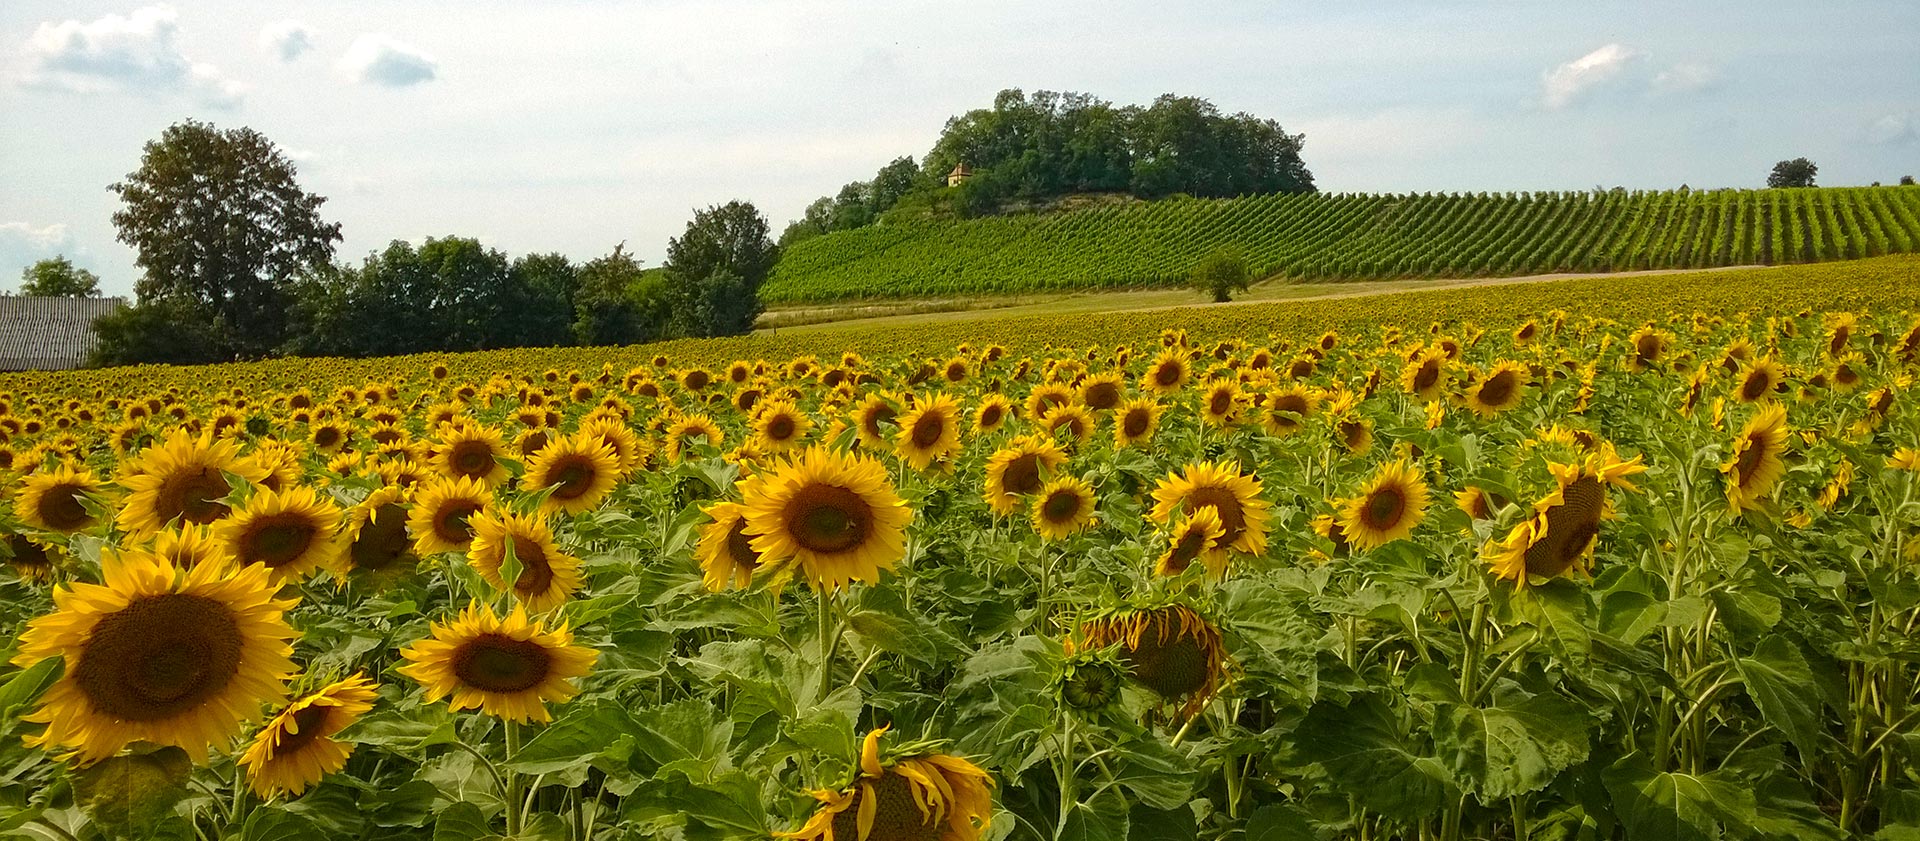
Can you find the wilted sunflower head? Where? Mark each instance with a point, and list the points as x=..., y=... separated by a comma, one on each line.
x=1171, y=650
x=909, y=793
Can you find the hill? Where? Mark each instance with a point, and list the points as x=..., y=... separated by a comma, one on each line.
x=1350, y=237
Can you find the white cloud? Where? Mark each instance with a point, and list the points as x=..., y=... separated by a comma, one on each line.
x=1566, y=83
x=115, y=54
x=1892, y=129
x=1685, y=78
x=22, y=245
x=286, y=40
x=381, y=60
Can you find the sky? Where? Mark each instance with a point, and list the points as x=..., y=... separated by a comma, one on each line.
x=577, y=125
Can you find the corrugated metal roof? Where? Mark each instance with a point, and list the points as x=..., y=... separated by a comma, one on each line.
x=49, y=334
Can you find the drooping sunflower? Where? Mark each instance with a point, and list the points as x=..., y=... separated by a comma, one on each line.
x=1020, y=469
x=780, y=426
x=439, y=520
x=1196, y=537
x=1502, y=388
x=832, y=517
x=681, y=431
x=1137, y=420
x=1561, y=535
x=1235, y=496
x=160, y=655
x=725, y=551
x=548, y=576
x=917, y=795
x=504, y=667
x=930, y=431
x=1167, y=373
x=1064, y=506
x=181, y=479
x=1756, y=464
x=291, y=533
x=470, y=451
x=296, y=748
x=581, y=470
x=1387, y=508
x=1171, y=650
x=50, y=499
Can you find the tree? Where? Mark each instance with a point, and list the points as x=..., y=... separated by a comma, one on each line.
x=219, y=222
x=715, y=270
x=619, y=303
x=57, y=277
x=1906, y=180
x=1798, y=172
x=1220, y=273
x=166, y=331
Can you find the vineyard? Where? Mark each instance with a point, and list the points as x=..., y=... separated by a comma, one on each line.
x=1351, y=237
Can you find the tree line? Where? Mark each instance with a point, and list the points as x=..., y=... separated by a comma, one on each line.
x=1049, y=144
x=237, y=263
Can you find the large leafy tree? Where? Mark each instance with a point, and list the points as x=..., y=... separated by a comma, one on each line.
x=222, y=229
x=715, y=270
x=1798, y=172
x=58, y=277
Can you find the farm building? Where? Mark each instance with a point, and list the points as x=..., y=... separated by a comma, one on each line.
x=49, y=334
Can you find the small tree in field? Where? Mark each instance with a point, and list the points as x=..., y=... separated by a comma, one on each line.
x=1220, y=273
x=1798, y=172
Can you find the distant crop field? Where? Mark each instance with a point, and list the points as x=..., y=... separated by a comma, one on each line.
x=1352, y=237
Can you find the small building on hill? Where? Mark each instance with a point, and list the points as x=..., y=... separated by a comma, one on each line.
x=49, y=334
x=961, y=172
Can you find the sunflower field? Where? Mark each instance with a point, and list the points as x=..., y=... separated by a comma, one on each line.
x=1526, y=562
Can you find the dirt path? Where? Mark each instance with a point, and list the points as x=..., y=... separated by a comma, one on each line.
x=1166, y=299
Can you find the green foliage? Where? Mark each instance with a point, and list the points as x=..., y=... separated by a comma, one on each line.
x=168, y=331
x=618, y=302
x=715, y=270
x=220, y=224
x=1220, y=273
x=1798, y=172
x=1341, y=237
x=57, y=277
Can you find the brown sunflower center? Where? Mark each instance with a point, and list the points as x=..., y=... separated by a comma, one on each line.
x=277, y=539
x=59, y=507
x=536, y=571
x=1185, y=550
x=450, y=521
x=574, y=474
x=1101, y=395
x=990, y=416
x=382, y=541
x=309, y=725
x=1571, y=528
x=1233, y=519
x=1022, y=474
x=780, y=427
x=740, y=546
x=1220, y=403
x=1385, y=508
x=1354, y=434
x=1497, y=389
x=1061, y=507
x=828, y=519
x=1168, y=374
x=1750, y=458
x=1136, y=422
x=499, y=663
x=192, y=495
x=1756, y=385
x=1428, y=374
x=471, y=458
x=27, y=554
x=896, y=813
x=876, y=416
x=1648, y=347
x=928, y=429
x=1171, y=663
x=159, y=656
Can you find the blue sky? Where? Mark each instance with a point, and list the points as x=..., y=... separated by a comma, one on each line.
x=573, y=125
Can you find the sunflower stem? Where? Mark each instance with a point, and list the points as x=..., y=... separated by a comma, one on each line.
x=828, y=642
x=516, y=807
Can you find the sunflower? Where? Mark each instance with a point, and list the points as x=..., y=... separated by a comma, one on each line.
x=1355, y=433
x=1561, y=535
x=1502, y=388
x=581, y=470
x=505, y=667
x=471, y=451
x=296, y=748
x=1221, y=403
x=1076, y=419
x=630, y=451
x=1286, y=411
x=1425, y=376
x=160, y=655
x=50, y=499
x=930, y=431
x=1167, y=373
x=1064, y=506
x=1195, y=537
x=181, y=479
x=1388, y=508
x=690, y=426
x=547, y=577
x=1171, y=650
x=1649, y=344
x=29, y=558
x=779, y=425
x=1103, y=392
x=290, y=533
x=917, y=796
x=1138, y=419
x=1756, y=463
x=440, y=512
x=1233, y=495
x=1762, y=378
x=374, y=537
x=992, y=413
x=1020, y=469
x=835, y=516
x=1048, y=397
x=1476, y=502
x=876, y=412
x=725, y=551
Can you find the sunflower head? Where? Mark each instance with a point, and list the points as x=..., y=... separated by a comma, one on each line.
x=578, y=471
x=1195, y=537
x=1500, y=389
x=831, y=516
x=1171, y=650
x=908, y=793
x=471, y=451
x=184, y=478
x=296, y=748
x=1020, y=470
x=1063, y=506
x=1387, y=508
x=58, y=500
x=507, y=667
x=1135, y=421
x=290, y=533
x=929, y=431
x=547, y=576
x=1756, y=462
x=1234, y=496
